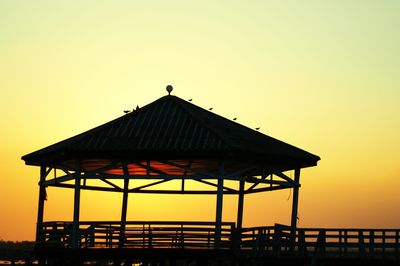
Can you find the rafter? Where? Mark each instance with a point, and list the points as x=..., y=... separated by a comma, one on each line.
x=115, y=176
x=110, y=183
x=263, y=180
x=204, y=174
x=238, y=174
x=148, y=185
x=149, y=168
x=177, y=192
x=45, y=174
x=185, y=173
x=285, y=177
x=97, y=188
x=214, y=185
x=64, y=169
x=257, y=182
x=188, y=165
x=48, y=171
x=103, y=169
x=58, y=180
x=255, y=190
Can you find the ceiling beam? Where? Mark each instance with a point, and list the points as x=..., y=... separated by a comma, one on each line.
x=110, y=183
x=148, y=185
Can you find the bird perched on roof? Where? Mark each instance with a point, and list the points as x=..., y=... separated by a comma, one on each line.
x=190, y=100
x=210, y=108
x=137, y=107
x=235, y=118
x=126, y=111
x=257, y=128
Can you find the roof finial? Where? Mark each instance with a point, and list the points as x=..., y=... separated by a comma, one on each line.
x=169, y=89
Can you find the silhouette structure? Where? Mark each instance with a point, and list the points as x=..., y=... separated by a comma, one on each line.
x=172, y=139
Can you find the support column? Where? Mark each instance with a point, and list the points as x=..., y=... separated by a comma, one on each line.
x=218, y=215
x=295, y=202
x=77, y=199
x=238, y=233
x=42, y=198
x=124, y=205
x=240, y=209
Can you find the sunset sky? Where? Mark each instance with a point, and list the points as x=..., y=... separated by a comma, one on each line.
x=321, y=75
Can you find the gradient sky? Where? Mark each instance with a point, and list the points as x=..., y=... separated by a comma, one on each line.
x=321, y=75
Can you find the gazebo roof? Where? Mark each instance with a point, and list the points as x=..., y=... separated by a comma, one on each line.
x=174, y=129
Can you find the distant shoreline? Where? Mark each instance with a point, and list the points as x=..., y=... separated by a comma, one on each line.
x=15, y=251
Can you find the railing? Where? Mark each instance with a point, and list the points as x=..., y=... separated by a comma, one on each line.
x=322, y=242
x=269, y=240
x=137, y=234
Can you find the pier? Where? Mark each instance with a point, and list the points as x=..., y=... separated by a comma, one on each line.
x=169, y=140
x=198, y=238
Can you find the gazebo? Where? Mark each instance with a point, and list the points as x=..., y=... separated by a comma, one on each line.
x=168, y=139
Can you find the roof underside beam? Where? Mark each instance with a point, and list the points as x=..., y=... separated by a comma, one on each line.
x=110, y=183
x=215, y=185
x=90, y=175
x=265, y=182
x=255, y=190
x=148, y=185
x=187, y=168
x=161, y=191
x=144, y=188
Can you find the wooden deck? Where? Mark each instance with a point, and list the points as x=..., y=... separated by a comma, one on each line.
x=199, y=237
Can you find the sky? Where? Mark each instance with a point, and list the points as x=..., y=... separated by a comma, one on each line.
x=321, y=75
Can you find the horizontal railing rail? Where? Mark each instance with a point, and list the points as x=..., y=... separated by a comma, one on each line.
x=323, y=242
x=275, y=240
x=169, y=234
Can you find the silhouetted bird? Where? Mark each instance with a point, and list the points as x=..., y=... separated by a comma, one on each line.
x=190, y=100
x=210, y=108
x=137, y=107
x=126, y=111
x=235, y=118
x=257, y=128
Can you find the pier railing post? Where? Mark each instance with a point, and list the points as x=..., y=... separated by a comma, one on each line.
x=295, y=205
x=77, y=199
x=218, y=215
x=124, y=206
x=42, y=197
x=239, y=221
x=361, y=243
x=321, y=243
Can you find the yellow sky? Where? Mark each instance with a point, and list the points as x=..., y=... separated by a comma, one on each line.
x=321, y=75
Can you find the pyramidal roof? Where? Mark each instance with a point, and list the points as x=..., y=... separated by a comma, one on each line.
x=172, y=128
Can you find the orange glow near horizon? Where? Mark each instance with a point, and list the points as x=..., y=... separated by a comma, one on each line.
x=323, y=77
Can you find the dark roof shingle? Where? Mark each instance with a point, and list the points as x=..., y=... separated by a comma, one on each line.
x=172, y=128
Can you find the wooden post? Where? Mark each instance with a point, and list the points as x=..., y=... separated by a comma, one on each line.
x=371, y=242
x=218, y=214
x=361, y=243
x=77, y=199
x=124, y=205
x=321, y=243
x=295, y=204
x=42, y=198
x=239, y=220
